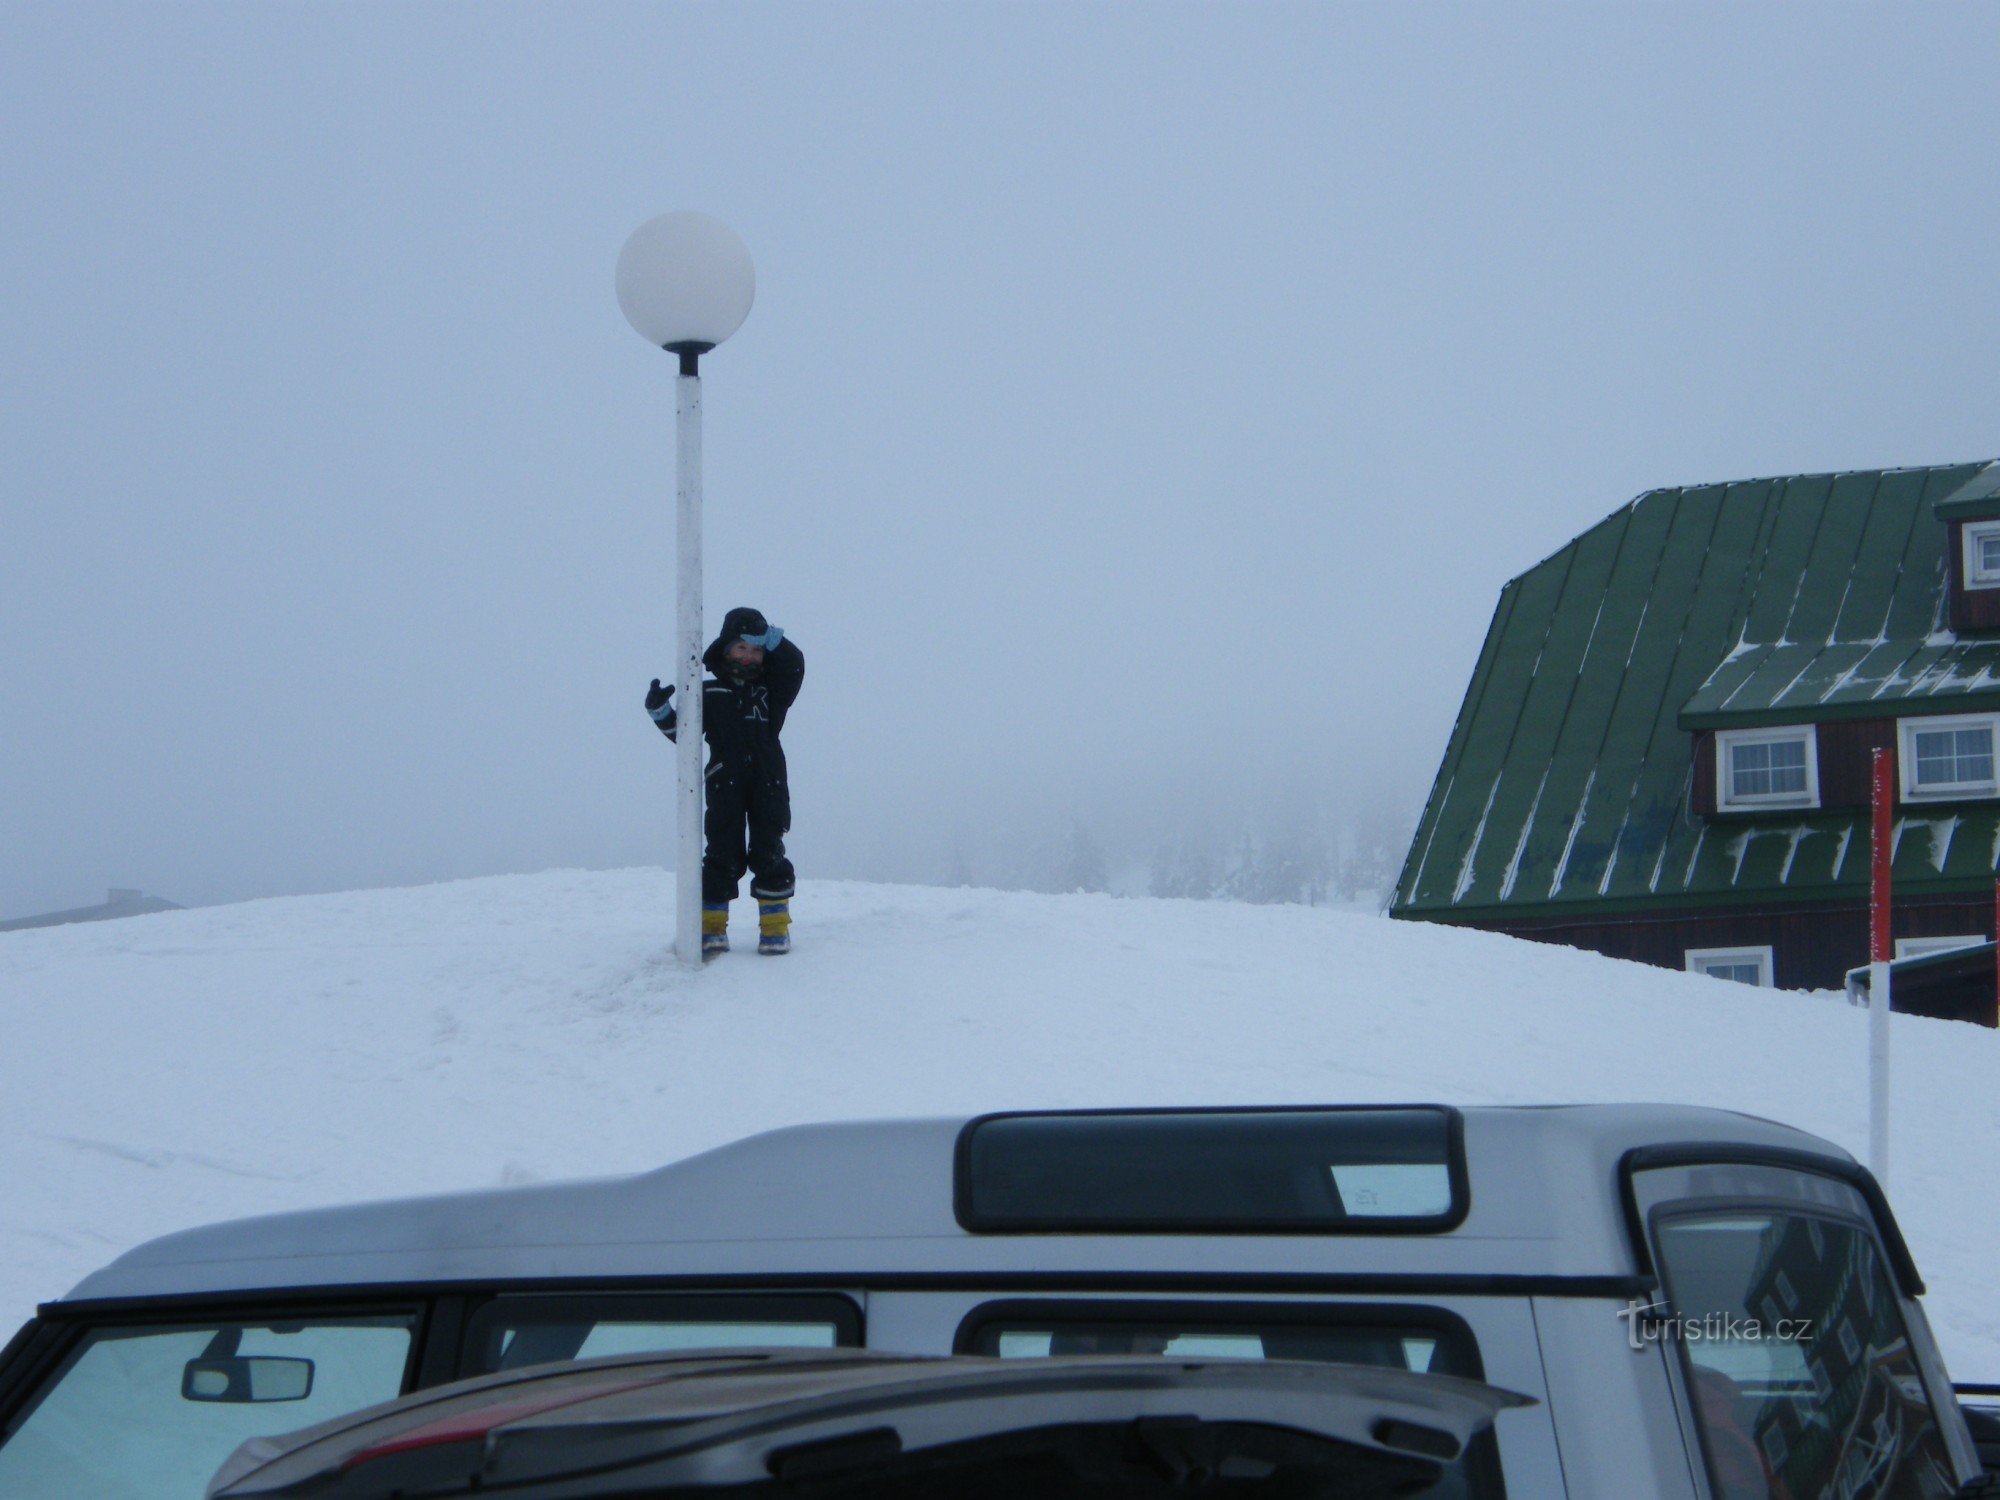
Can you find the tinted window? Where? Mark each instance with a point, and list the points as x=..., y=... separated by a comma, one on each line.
x=1318, y=1171
x=1803, y=1377
x=1424, y=1347
x=1416, y=1339
x=511, y=1332
x=118, y=1422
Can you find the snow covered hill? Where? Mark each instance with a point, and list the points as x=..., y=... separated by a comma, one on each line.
x=190, y=1066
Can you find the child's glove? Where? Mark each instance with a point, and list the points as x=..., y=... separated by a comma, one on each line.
x=660, y=704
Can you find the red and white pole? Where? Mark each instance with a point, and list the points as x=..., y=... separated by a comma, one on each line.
x=1881, y=948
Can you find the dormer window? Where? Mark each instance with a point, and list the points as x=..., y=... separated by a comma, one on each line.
x=1766, y=768
x=1949, y=757
x=1982, y=555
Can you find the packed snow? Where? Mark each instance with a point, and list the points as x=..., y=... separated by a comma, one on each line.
x=171, y=1070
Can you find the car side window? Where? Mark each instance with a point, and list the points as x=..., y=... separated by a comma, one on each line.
x=514, y=1331
x=149, y=1413
x=1417, y=1339
x=1800, y=1368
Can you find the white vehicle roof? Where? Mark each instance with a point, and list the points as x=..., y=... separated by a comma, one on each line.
x=871, y=1202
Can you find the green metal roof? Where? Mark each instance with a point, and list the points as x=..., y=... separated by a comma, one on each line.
x=1791, y=684
x=1564, y=788
x=1978, y=496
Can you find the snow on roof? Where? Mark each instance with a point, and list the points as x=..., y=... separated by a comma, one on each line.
x=1860, y=679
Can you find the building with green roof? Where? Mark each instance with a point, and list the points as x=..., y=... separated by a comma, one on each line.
x=1664, y=750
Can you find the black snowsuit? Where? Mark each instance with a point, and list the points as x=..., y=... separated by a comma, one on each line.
x=748, y=799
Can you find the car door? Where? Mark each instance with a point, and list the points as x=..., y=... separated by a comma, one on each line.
x=1803, y=1362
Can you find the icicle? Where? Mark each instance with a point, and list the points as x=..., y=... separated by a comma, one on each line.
x=1798, y=836
x=1611, y=860
x=1575, y=827
x=1521, y=844
x=1478, y=833
x=1700, y=837
x=1738, y=847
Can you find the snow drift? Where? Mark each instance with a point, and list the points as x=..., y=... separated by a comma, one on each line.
x=174, y=1069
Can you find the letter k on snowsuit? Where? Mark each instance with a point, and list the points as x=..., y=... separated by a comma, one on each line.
x=748, y=799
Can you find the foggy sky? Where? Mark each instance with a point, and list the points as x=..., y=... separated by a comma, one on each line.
x=1141, y=412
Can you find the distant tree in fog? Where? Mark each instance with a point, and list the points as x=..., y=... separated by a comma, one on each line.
x=1291, y=850
x=1377, y=837
x=1189, y=867
x=1302, y=858
x=1085, y=869
x=1284, y=866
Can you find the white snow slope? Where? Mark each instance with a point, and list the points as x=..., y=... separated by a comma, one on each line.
x=169, y=1070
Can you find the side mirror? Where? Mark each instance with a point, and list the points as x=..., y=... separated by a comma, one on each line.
x=246, y=1378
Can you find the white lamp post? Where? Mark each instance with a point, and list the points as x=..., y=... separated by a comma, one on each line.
x=685, y=282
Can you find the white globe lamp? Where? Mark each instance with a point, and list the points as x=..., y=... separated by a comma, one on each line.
x=685, y=282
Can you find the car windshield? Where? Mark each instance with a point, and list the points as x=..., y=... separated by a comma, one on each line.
x=147, y=1413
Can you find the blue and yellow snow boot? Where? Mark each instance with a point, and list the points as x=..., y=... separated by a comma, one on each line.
x=714, y=929
x=774, y=925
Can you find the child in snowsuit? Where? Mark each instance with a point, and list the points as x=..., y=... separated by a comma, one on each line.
x=757, y=674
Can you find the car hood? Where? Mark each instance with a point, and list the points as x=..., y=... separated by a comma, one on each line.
x=850, y=1421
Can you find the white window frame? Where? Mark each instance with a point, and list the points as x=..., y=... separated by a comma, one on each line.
x=1919, y=946
x=1971, y=535
x=1726, y=740
x=1957, y=791
x=1697, y=960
